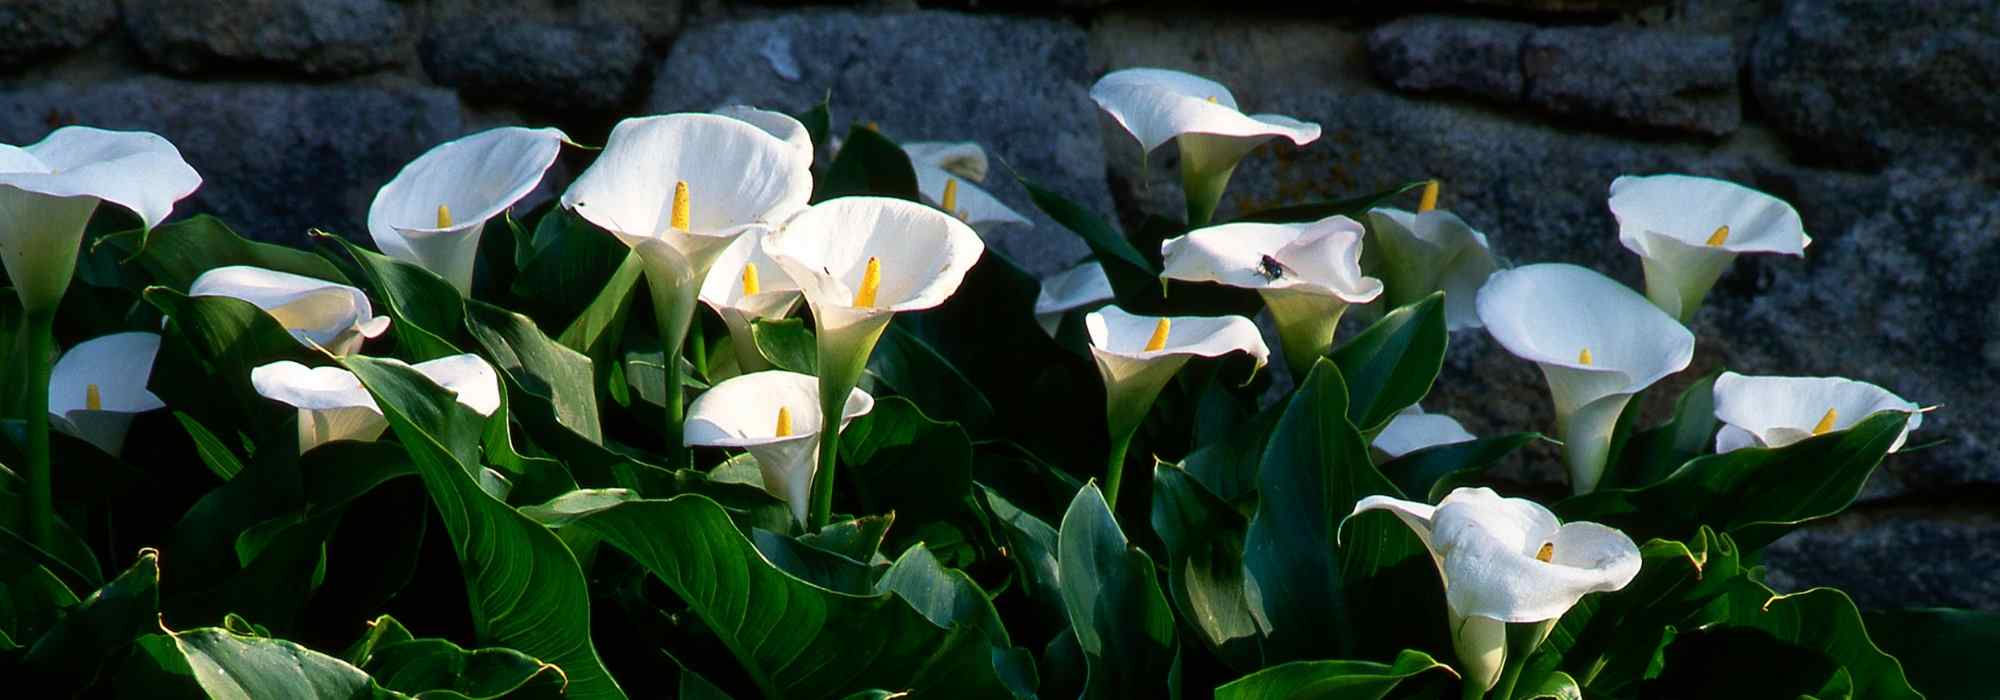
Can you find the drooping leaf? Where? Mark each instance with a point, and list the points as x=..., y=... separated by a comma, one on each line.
x=177, y=253
x=436, y=668
x=66, y=657
x=1614, y=639
x=914, y=369
x=1355, y=680
x=902, y=461
x=230, y=665
x=1390, y=366
x=787, y=344
x=1135, y=278
x=1650, y=455
x=948, y=597
x=1434, y=471
x=1204, y=538
x=426, y=313
x=548, y=376
x=1121, y=620
x=1768, y=645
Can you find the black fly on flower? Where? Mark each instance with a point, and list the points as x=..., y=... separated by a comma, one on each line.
x=1271, y=269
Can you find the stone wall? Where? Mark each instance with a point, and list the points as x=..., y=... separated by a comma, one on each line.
x=1876, y=118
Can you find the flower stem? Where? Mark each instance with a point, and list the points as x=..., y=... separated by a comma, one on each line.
x=40, y=327
x=698, y=342
x=678, y=456
x=829, y=459
x=1114, y=467
x=1510, y=674
x=1470, y=690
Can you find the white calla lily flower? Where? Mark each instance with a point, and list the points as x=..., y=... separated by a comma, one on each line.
x=100, y=384
x=1412, y=429
x=1508, y=560
x=1080, y=287
x=333, y=405
x=1687, y=230
x=1158, y=106
x=49, y=189
x=330, y=315
x=1430, y=251
x=779, y=124
x=945, y=173
x=1597, y=344
x=1779, y=411
x=776, y=416
x=1137, y=355
x=745, y=285
x=1307, y=274
x=432, y=213
x=678, y=188
x=859, y=261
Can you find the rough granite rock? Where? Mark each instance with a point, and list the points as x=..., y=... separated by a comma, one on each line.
x=1634, y=77
x=1016, y=86
x=1861, y=83
x=320, y=38
x=1616, y=76
x=1898, y=559
x=540, y=65
x=275, y=160
x=33, y=29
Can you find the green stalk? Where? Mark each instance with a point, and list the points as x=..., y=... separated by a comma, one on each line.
x=843, y=356
x=678, y=456
x=1510, y=674
x=698, y=341
x=821, y=510
x=1470, y=690
x=1114, y=469
x=40, y=331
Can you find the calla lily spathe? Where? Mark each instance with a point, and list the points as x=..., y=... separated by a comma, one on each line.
x=1137, y=355
x=1597, y=344
x=1082, y=287
x=776, y=416
x=1434, y=250
x=1508, y=560
x=945, y=176
x=333, y=405
x=48, y=191
x=330, y=315
x=1779, y=411
x=1687, y=230
x=100, y=384
x=1412, y=429
x=1307, y=274
x=859, y=261
x=779, y=124
x=1158, y=106
x=745, y=285
x=432, y=213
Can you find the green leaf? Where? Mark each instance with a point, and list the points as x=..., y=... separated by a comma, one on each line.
x=1650, y=455
x=213, y=452
x=400, y=662
x=1434, y=471
x=1944, y=651
x=65, y=658
x=794, y=639
x=1554, y=686
x=424, y=310
x=914, y=369
x=1348, y=680
x=558, y=379
x=902, y=461
x=1390, y=366
x=526, y=589
x=1754, y=494
x=597, y=331
x=1031, y=546
x=1351, y=207
x=571, y=269
x=213, y=340
x=787, y=344
x=1121, y=620
x=1204, y=538
x=948, y=598
x=1135, y=278
x=858, y=539
x=177, y=253
x=1767, y=645
x=868, y=164
x=1613, y=640
x=229, y=666
x=817, y=123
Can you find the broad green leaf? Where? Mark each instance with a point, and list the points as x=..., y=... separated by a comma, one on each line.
x=526, y=589
x=914, y=369
x=216, y=455
x=787, y=344
x=1768, y=645
x=558, y=379
x=1204, y=538
x=72, y=559
x=1122, y=622
x=213, y=341
x=426, y=313
x=948, y=598
x=1031, y=546
x=1944, y=651
x=177, y=253
x=816, y=121
x=437, y=668
x=1391, y=364
x=858, y=539
x=868, y=164
x=819, y=567
x=1351, y=207
x=65, y=658
x=572, y=269
x=1650, y=455
x=229, y=666
x=1347, y=680
x=1134, y=276
x=1611, y=641
x=1554, y=686
x=1229, y=442
x=794, y=639
x=898, y=459
x=1755, y=495
x=1433, y=471
x=599, y=329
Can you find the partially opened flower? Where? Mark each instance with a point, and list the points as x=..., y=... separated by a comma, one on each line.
x=1428, y=251
x=330, y=315
x=1779, y=411
x=1137, y=355
x=100, y=384
x=678, y=188
x=48, y=191
x=1082, y=287
x=1158, y=106
x=859, y=261
x=945, y=173
x=1307, y=273
x=779, y=124
x=333, y=405
x=1688, y=229
x=432, y=213
x=743, y=286
x=1412, y=429
x=776, y=416
x=1597, y=343
x=1508, y=560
